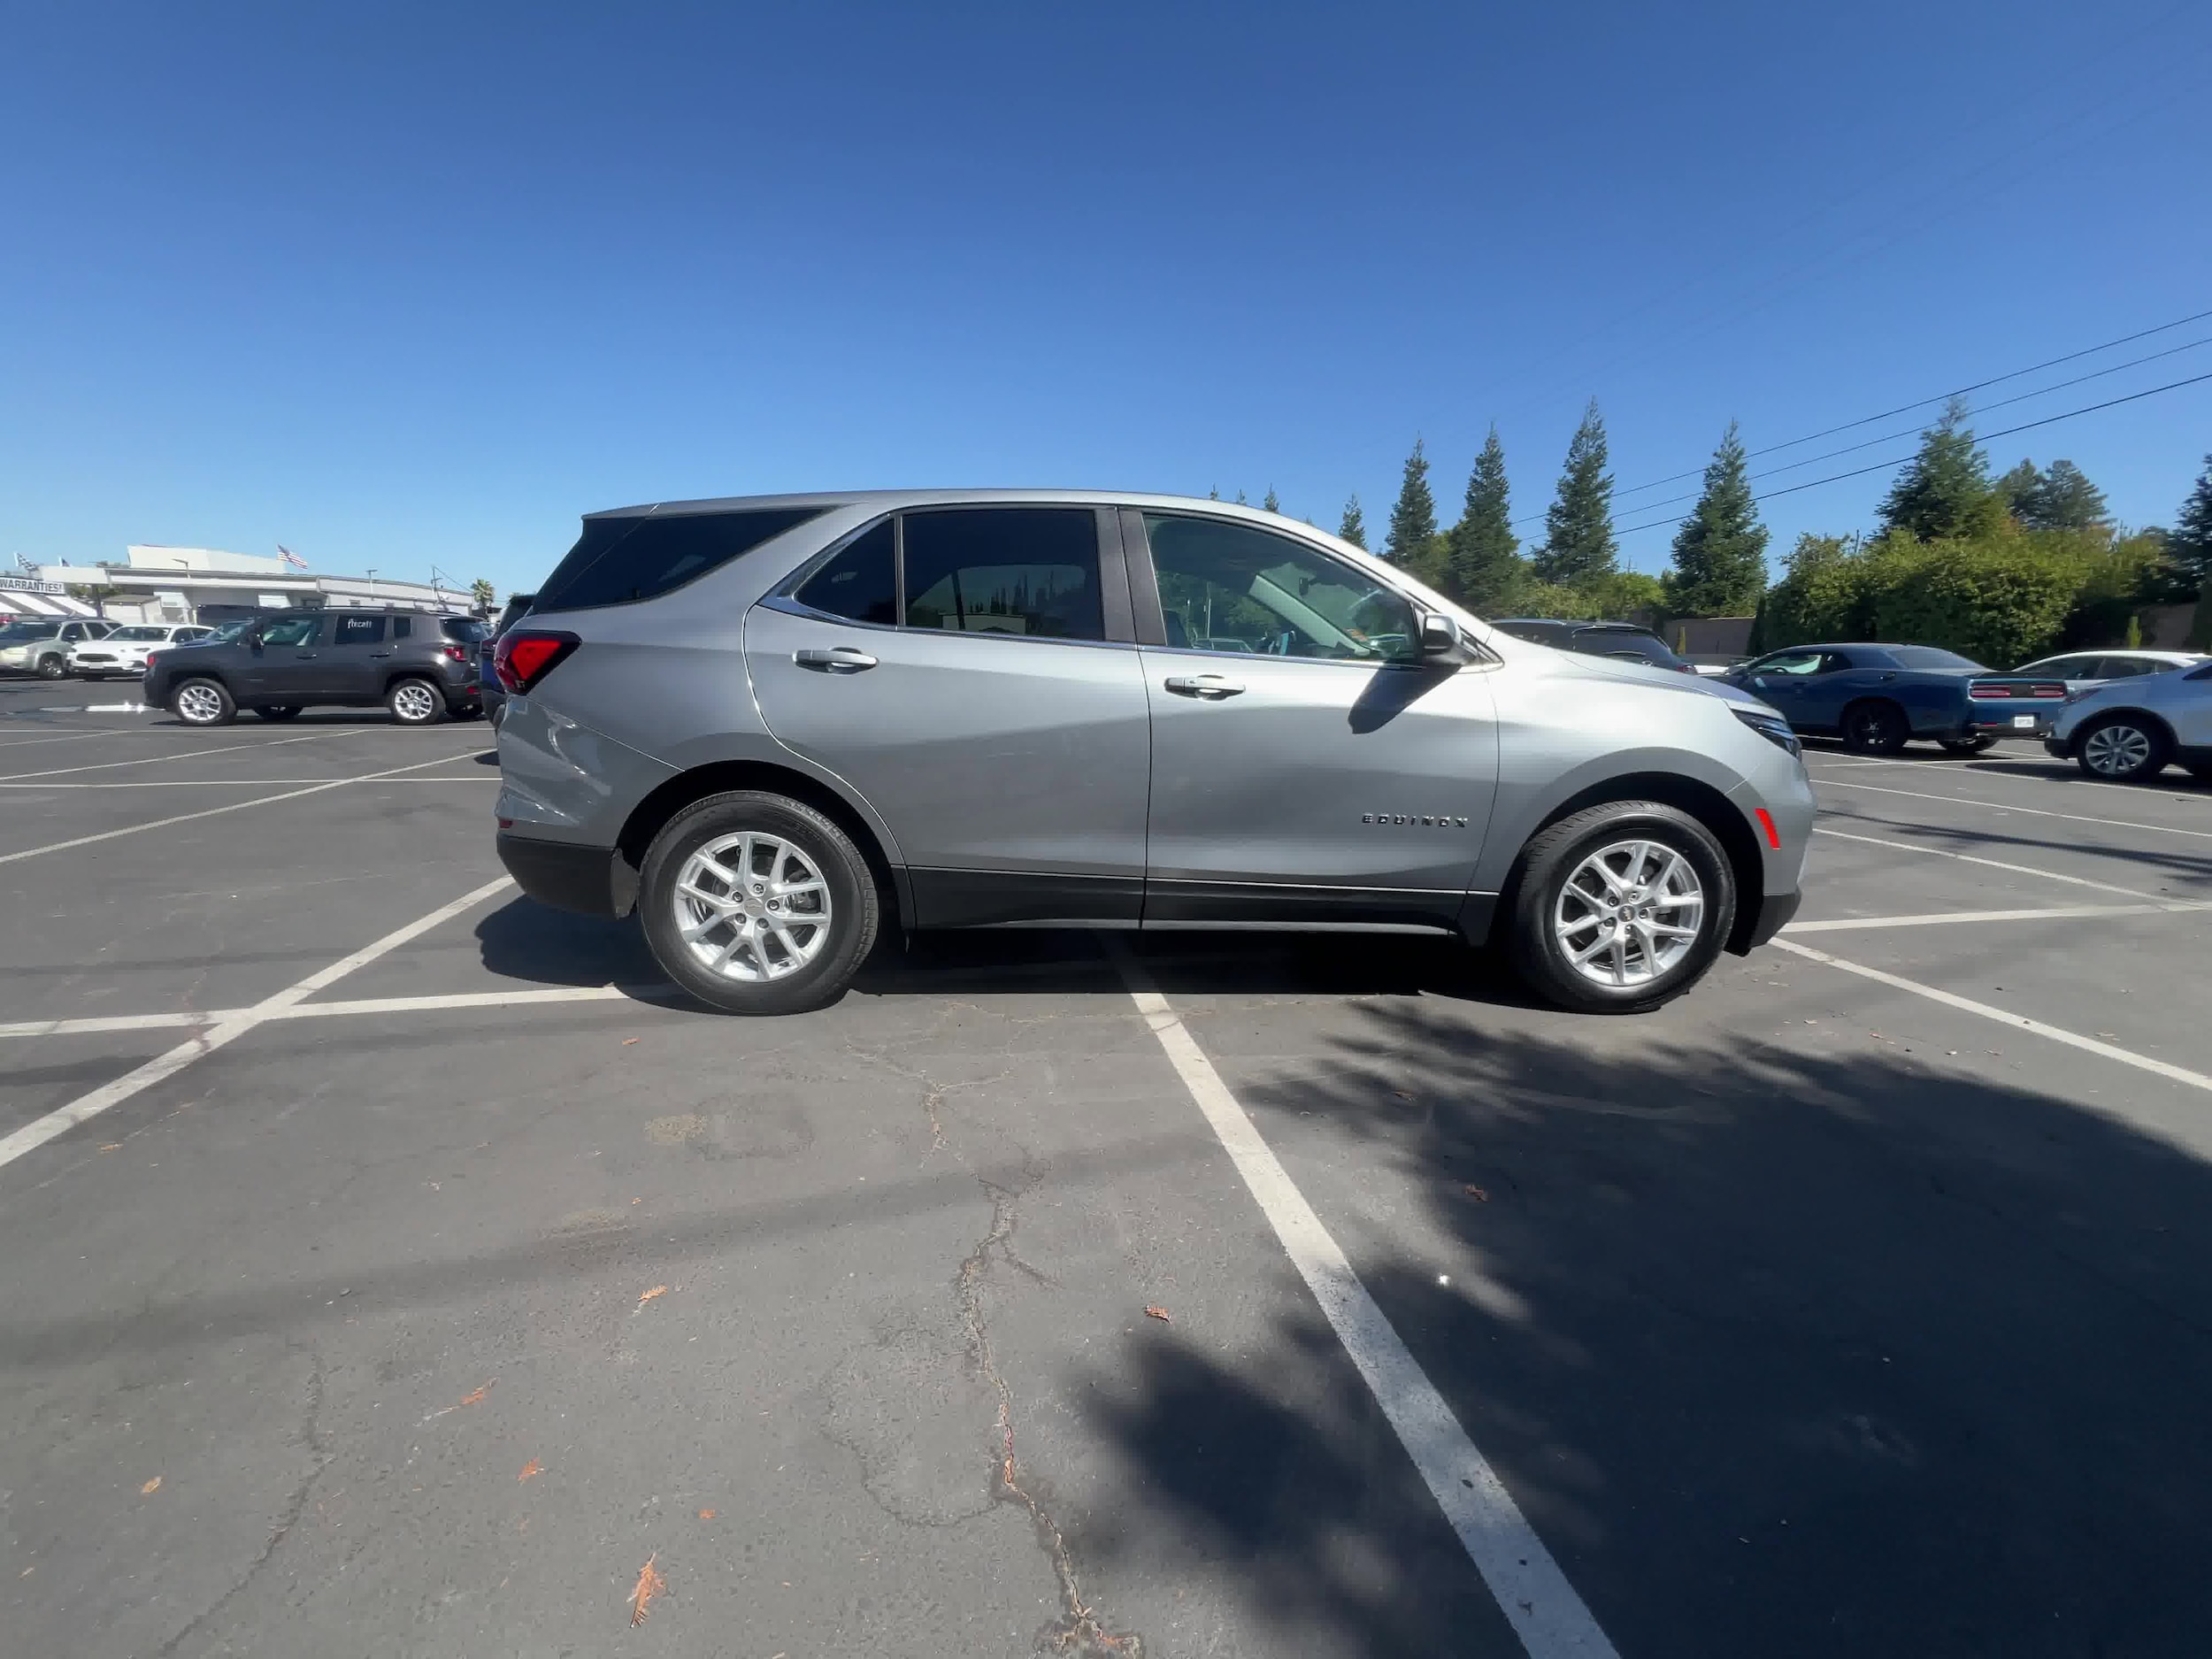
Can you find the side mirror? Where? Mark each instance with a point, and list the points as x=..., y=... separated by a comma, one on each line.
x=1439, y=633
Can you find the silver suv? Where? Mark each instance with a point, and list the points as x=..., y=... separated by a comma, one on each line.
x=763, y=722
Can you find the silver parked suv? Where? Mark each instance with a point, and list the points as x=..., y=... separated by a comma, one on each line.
x=763, y=722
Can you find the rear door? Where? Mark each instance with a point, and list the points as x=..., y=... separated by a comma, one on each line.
x=971, y=673
x=1316, y=770
x=354, y=662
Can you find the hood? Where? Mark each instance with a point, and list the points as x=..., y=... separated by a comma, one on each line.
x=1648, y=674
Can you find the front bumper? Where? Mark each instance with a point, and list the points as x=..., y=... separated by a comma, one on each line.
x=588, y=880
x=2062, y=746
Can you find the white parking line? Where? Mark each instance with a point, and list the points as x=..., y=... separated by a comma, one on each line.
x=2005, y=1016
x=153, y=760
x=1939, y=918
x=226, y=783
x=1995, y=863
x=2032, y=811
x=78, y=737
x=37, y=1132
x=1534, y=1595
x=212, y=812
x=92, y=1024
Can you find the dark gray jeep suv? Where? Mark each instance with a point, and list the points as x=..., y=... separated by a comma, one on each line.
x=422, y=667
x=769, y=724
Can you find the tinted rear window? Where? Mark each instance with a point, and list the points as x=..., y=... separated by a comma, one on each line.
x=466, y=630
x=621, y=561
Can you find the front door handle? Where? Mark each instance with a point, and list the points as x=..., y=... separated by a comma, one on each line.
x=1210, y=686
x=838, y=660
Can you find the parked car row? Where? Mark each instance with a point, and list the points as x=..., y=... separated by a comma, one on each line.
x=422, y=667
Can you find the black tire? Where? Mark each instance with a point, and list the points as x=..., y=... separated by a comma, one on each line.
x=276, y=710
x=1876, y=726
x=854, y=906
x=191, y=702
x=53, y=665
x=1555, y=857
x=1968, y=746
x=2123, y=748
x=416, y=702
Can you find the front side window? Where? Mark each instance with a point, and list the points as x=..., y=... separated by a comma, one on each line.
x=1231, y=588
x=358, y=631
x=861, y=583
x=1788, y=663
x=1028, y=570
x=621, y=561
x=292, y=631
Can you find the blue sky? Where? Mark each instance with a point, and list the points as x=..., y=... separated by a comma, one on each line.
x=398, y=284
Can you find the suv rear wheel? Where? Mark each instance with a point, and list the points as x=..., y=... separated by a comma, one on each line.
x=203, y=702
x=53, y=665
x=757, y=904
x=416, y=702
x=1620, y=907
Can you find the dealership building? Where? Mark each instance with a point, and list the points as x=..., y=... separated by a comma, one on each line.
x=197, y=584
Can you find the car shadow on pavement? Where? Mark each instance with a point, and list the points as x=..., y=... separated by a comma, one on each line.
x=523, y=939
x=1830, y=1354
x=1980, y=839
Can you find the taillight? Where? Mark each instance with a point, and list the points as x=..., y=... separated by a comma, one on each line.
x=521, y=659
x=455, y=654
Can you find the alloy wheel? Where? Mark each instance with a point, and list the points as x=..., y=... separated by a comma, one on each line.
x=2115, y=751
x=414, y=704
x=201, y=706
x=751, y=907
x=1629, y=911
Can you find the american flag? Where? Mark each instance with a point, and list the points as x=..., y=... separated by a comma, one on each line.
x=290, y=557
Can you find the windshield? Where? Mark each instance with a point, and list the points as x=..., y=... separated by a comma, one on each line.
x=17, y=633
x=140, y=634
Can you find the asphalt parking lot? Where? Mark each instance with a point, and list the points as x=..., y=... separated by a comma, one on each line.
x=393, y=1266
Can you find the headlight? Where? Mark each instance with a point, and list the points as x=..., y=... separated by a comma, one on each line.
x=1772, y=727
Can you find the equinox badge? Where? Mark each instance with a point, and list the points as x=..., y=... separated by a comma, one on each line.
x=1416, y=820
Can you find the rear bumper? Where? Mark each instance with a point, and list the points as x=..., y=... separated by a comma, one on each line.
x=589, y=881
x=1775, y=911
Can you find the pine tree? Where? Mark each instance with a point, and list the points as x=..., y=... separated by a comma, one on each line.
x=1720, y=566
x=1354, y=528
x=2064, y=499
x=1945, y=490
x=1485, y=558
x=1240, y=500
x=1579, y=526
x=1269, y=500
x=1413, y=520
x=2018, y=488
x=2189, y=543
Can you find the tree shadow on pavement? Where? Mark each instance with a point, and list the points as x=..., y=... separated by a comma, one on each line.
x=1780, y=1352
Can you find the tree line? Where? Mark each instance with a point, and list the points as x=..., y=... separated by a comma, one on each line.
x=1998, y=566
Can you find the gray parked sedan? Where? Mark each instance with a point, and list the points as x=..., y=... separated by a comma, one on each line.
x=763, y=722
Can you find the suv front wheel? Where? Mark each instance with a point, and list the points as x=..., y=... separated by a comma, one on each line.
x=203, y=703
x=1620, y=907
x=756, y=903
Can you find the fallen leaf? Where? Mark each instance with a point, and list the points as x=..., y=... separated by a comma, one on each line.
x=150, y=1487
x=112, y=1146
x=649, y=1584
x=529, y=1469
x=657, y=1290
x=1477, y=1193
x=626, y=1041
x=706, y=1515
x=475, y=1397
x=1158, y=1313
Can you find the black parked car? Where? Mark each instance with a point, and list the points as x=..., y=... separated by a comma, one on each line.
x=421, y=667
x=495, y=694
x=1622, y=640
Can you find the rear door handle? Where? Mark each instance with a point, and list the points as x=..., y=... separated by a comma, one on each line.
x=1212, y=686
x=838, y=660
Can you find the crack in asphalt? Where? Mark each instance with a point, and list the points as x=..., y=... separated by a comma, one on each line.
x=1078, y=1630
x=294, y=1507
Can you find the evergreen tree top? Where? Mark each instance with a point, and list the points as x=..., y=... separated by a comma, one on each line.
x=1353, y=527
x=1578, y=542
x=2189, y=543
x=1946, y=489
x=1413, y=520
x=1720, y=551
x=1270, y=501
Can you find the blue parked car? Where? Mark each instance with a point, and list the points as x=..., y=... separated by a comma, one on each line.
x=1878, y=698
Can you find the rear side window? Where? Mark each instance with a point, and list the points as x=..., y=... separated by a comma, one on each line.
x=621, y=561
x=402, y=627
x=461, y=630
x=358, y=631
x=1030, y=571
x=862, y=583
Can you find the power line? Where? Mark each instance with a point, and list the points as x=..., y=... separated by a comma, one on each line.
x=1922, y=402
x=2006, y=432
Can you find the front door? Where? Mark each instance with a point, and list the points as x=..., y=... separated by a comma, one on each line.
x=969, y=672
x=286, y=667
x=1306, y=763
